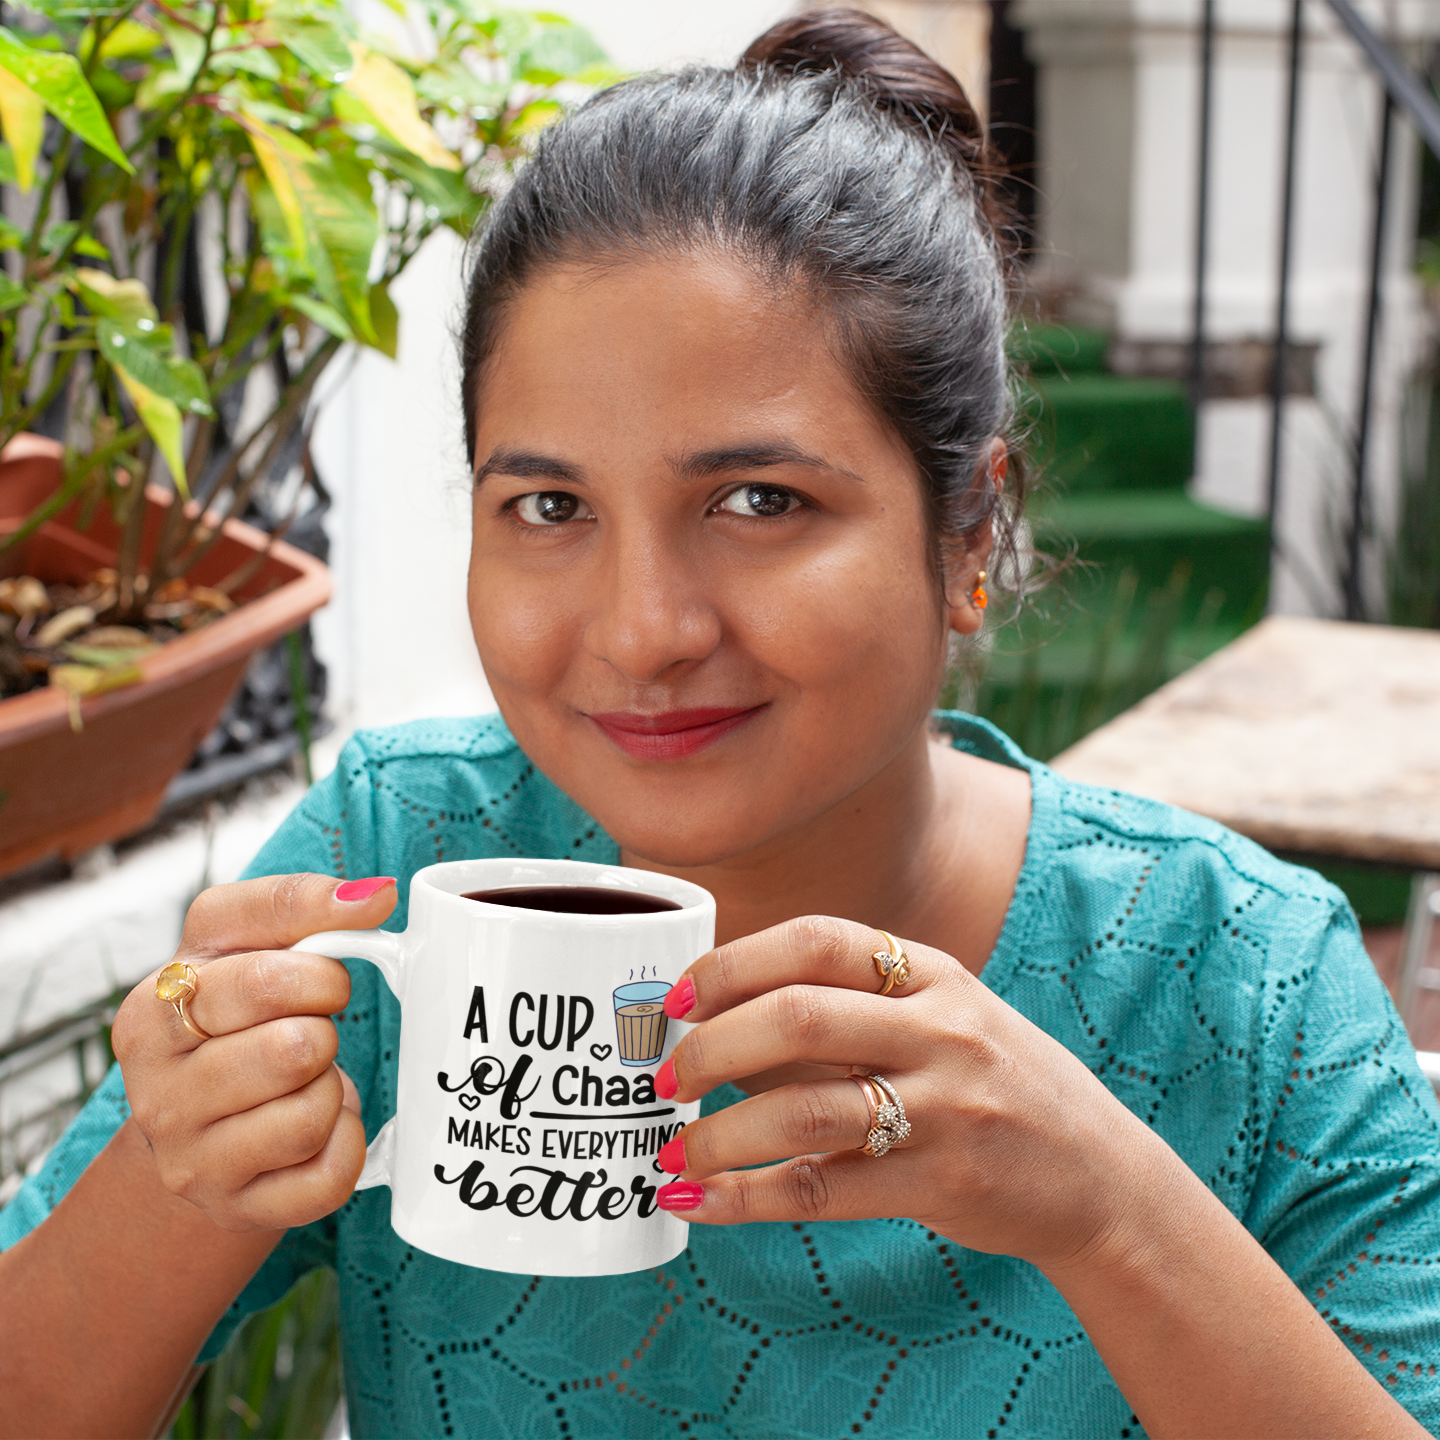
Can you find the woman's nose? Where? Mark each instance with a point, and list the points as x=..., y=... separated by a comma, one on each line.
x=651, y=613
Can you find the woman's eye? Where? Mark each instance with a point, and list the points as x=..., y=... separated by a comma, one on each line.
x=762, y=501
x=550, y=507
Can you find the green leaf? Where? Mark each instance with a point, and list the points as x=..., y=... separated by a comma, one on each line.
x=127, y=41
x=387, y=92
x=114, y=299
x=321, y=47
x=105, y=657
x=72, y=9
x=113, y=91
x=385, y=319
x=12, y=296
x=138, y=348
x=282, y=157
x=293, y=121
x=535, y=116
x=276, y=240
x=89, y=245
x=22, y=117
x=332, y=225
x=57, y=79
x=326, y=316
x=442, y=191
x=559, y=50
x=58, y=237
x=161, y=82
x=456, y=87
x=81, y=680
x=479, y=14
x=253, y=60
x=348, y=227
x=187, y=49
x=11, y=236
x=161, y=417
x=8, y=173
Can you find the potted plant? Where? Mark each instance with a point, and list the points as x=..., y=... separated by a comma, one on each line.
x=210, y=200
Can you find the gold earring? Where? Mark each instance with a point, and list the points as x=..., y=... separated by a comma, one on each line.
x=978, y=598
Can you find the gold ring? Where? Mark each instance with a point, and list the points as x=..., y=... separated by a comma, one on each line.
x=873, y=1097
x=891, y=964
x=177, y=984
x=888, y=1123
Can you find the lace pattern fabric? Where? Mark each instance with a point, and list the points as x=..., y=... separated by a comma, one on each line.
x=1220, y=994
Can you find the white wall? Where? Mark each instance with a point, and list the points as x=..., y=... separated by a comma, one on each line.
x=389, y=445
x=661, y=34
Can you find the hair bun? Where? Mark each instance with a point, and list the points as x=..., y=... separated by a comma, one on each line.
x=902, y=80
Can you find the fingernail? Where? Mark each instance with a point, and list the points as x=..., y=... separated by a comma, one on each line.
x=681, y=999
x=353, y=891
x=680, y=1195
x=672, y=1156
x=665, y=1082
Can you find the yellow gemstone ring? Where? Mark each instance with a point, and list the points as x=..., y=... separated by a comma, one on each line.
x=176, y=984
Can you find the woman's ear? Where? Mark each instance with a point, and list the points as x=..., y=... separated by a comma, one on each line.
x=965, y=568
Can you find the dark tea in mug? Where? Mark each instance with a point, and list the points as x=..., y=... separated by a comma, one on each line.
x=574, y=899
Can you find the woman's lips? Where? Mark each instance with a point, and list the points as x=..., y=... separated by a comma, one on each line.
x=676, y=733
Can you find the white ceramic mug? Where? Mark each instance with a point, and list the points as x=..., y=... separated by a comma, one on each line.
x=526, y=1123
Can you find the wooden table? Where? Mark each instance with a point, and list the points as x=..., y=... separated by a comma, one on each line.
x=1311, y=736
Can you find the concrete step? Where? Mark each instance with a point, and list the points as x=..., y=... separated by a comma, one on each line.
x=1058, y=349
x=1151, y=533
x=1095, y=432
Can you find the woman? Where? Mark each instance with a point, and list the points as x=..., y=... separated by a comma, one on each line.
x=735, y=395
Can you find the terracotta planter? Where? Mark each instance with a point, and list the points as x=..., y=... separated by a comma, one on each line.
x=63, y=792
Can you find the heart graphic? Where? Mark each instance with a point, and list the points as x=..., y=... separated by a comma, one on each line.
x=601, y=1052
x=469, y=1101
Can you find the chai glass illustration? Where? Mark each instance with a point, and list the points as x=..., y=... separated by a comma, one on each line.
x=640, y=1021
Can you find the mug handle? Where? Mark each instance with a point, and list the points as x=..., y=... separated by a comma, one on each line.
x=379, y=1159
x=386, y=951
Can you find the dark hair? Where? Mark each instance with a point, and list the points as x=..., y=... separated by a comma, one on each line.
x=835, y=156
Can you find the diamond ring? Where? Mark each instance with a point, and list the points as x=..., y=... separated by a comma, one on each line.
x=892, y=964
x=888, y=1125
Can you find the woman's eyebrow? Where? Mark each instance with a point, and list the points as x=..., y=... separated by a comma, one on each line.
x=526, y=465
x=703, y=464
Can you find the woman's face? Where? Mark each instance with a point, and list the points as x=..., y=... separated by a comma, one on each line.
x=700, y=582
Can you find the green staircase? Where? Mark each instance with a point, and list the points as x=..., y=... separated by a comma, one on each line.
x=1156, y=581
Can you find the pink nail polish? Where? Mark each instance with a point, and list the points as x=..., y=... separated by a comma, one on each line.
x=681, y=999
x=680, y=1195
x=665, y=1082
x=672, y=1156
x=353, y=891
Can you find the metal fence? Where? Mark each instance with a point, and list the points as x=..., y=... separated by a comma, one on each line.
x=1402, y=93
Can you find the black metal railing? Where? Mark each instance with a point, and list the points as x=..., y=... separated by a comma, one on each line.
x=1401, y=92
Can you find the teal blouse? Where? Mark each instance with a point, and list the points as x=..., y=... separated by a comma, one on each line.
x=1220, y=994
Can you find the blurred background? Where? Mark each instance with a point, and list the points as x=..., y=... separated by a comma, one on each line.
x=1229, y=387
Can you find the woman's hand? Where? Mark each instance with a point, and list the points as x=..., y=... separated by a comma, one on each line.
x=256, y=1126
x=1015, y=1147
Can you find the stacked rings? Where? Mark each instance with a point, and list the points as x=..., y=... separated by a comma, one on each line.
x=888, y=1125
